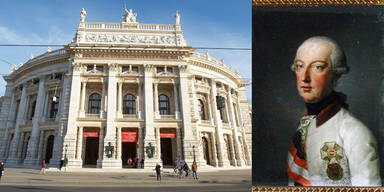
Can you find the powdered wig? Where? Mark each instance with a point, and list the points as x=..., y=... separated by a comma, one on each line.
x=338, y=59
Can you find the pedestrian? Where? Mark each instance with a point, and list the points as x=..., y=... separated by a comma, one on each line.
x=61, y=164
x=136, y=162
x=158, y=175
x=1, y=169
x=179, y=167
x=129, y=162
x=194, y=170
x=42, y=171
x=142, y=163
x=186, y=169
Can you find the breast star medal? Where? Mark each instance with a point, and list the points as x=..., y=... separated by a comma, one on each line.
x=333, y=153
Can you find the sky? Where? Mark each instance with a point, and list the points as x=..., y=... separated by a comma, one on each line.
x=206, y=23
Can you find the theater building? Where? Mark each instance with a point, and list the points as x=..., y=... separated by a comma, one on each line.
x=125, y=90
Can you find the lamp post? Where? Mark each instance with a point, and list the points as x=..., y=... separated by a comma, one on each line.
x=194, y=157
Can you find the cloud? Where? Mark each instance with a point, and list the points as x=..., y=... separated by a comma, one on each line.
x=9, y=36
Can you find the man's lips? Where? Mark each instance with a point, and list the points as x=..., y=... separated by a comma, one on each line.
x=306, y=88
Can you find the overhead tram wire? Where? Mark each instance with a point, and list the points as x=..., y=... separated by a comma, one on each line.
x=57, y=45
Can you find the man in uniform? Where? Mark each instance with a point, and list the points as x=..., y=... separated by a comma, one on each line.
x=331, y=147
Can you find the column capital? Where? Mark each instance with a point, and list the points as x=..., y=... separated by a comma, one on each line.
x=148, y=67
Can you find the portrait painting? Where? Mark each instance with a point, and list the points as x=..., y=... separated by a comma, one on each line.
x=318, y=98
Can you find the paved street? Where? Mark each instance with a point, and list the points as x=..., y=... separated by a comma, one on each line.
x=17, y=179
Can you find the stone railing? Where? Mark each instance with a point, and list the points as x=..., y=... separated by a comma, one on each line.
x=226, y=124
x=92, y=115
x=167, y=116
x=206, y=121
x=50, y=54
x=138, y=26
x=129, y=116
x=50, y=119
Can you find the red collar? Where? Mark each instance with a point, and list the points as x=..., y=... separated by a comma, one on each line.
x=327, y=113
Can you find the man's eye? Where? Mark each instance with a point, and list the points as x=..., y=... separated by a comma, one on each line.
x=319, y=68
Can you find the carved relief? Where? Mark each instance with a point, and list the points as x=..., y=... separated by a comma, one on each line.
x=183, y=68
x=148, y=67
x=76, y=66
x=112, y=67
x=78, y=55
x=136, y=39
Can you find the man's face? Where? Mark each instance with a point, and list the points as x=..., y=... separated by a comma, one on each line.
x=313, y=71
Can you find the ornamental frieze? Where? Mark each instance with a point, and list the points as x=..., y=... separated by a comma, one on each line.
x=130, y=39
x=129, y=56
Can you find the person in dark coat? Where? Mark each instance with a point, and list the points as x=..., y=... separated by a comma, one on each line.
x=186, y=169
x=1, y=169
x=158, y=175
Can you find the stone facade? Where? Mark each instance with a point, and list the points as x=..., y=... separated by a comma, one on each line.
x=124, y=90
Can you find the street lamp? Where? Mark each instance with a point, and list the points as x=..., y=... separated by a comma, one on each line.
x=194, y=157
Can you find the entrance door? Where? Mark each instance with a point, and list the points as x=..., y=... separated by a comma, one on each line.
x=128, y=151
x=49, y=149
x=166, y=151
x=91, y=151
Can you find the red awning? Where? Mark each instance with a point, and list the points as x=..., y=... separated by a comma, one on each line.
x=167, y=135
x=128, y=136
x=90, y=134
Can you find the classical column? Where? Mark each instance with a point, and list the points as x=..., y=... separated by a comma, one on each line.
x=102, y=107
x=232, y=151
x=156, y=97
x=149, y=139
x=79, y=146
x=178, y=143
x=45, y=107
x=188, y=139
x=40, y=148
x=101, y=148
x=139, y=112
x=110, y=132
x=195, y=115
x=235, y=137
x=246, y=150
x=177, y=113
x=12, y=159
x=74, y=94
x=32, y=145
x=20, y=145
x=214, y=154
x=141, y=132
x=119, y=99
x=227, y=111
x=158, y=144
x=118, y=143
x=84, y=89
x=219, y=126
x=5, y=122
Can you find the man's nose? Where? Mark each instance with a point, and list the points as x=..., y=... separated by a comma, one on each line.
x=306, y=75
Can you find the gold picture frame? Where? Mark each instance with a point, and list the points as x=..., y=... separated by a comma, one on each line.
x=305, y=4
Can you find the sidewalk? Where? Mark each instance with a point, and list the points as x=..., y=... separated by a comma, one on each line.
x=121, y=177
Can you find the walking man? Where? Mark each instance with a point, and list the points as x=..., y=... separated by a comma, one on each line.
x=1, y=169
x=158, y=175
x=42, y=171
x=142, y=163
x=194, y=170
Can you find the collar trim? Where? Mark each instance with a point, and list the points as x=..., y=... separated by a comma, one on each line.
x=327, y=113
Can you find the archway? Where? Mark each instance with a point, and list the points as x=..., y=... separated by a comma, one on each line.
x=49, y=149
x=206, y=150
x=128, y=145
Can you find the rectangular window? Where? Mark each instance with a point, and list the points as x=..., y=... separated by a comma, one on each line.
x=100, y=68
x=136, y=69
x=89, y=68
x=124, y=69
x=160, y=69
x=169, y=70
x=58, y=76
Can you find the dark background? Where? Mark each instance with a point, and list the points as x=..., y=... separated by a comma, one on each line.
x=277, y=107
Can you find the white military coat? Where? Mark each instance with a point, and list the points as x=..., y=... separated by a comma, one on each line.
x=340, y=150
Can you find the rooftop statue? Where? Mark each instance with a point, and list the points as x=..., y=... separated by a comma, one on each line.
x=129, y=16
x=177, y=18
x=83, y=14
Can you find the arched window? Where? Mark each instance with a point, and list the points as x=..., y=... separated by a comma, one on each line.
x=129, y=104
x=200, y=109
x=94, y=103
x=163, y=105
